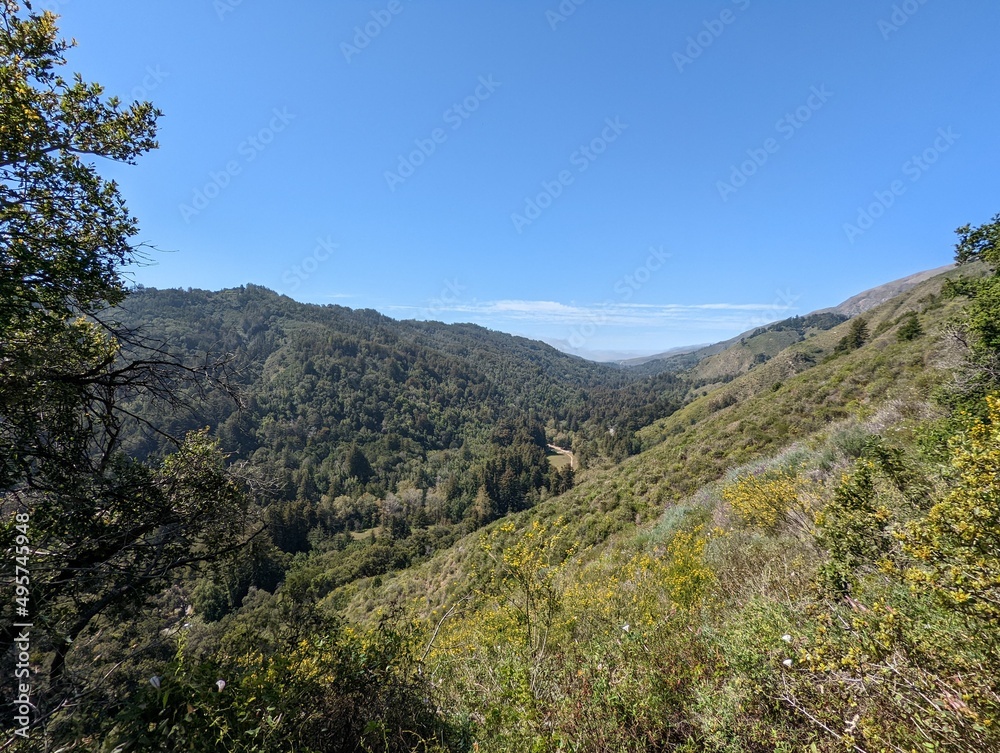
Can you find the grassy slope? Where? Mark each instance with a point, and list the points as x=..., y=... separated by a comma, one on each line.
x=796, y=396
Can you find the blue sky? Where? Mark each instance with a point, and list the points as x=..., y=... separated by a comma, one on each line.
x=624, y=176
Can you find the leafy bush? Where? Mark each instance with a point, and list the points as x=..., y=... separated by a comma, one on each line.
x=339, y=690
x=765, y=500
x=957, y=543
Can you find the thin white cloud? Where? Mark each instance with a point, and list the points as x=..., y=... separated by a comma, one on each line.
x=610, y=314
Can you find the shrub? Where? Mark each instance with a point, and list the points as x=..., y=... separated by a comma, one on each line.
x=957, y=544
x=337, y=691
x=765, y=500
x=910, y=328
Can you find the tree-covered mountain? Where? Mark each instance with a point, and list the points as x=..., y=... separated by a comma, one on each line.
x=772, y=559
x=341, y=408
x=657, y=596
x=799, y=560
x=237, y=523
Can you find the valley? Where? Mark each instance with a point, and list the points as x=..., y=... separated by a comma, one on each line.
x=237, y=521
x=531, y=520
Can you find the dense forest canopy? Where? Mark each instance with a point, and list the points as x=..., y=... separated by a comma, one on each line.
x=234, y=522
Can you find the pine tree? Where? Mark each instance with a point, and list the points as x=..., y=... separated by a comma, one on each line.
x=857, y=335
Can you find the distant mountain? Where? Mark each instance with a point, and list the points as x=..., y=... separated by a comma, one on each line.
x=679, y=351
x=750, y=348
x=617, y=357
x=869, y=299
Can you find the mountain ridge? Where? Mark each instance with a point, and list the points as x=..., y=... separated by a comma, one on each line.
x=856, y=304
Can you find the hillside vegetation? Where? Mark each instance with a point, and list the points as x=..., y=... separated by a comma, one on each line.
x=240, y=524
x=803, y=396
x=773, y=570
x=803, y=559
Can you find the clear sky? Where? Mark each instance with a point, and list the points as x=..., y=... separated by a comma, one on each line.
x=626, y=176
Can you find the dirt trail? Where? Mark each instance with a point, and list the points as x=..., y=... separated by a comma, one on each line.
x=567, y=453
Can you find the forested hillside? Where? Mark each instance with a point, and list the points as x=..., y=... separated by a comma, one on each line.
x=342, y=407
x=377, y=448
x=727, y=588
x=799, y=561
x=237, y=523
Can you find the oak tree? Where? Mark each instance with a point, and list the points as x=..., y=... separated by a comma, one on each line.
x=105, y=531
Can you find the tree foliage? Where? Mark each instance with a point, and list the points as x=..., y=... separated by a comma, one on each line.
x=105, y=532
x=857, y=335
x=981, y=243
x=909, y=328
x=979, y=330
x=957, y=544
x=65, y=230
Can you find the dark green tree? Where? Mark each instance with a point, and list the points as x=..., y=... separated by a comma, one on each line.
x=857, y=335
x=358, y=466
x=979, y=331
x=981, y=243
x=104, y=532
x=910, y=328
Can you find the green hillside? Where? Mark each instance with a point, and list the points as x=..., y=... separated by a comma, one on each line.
x=716, y=572
x=718, y=576
x=234, y=523
x=804, y=394
x=661, y=589
x=340, y=403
